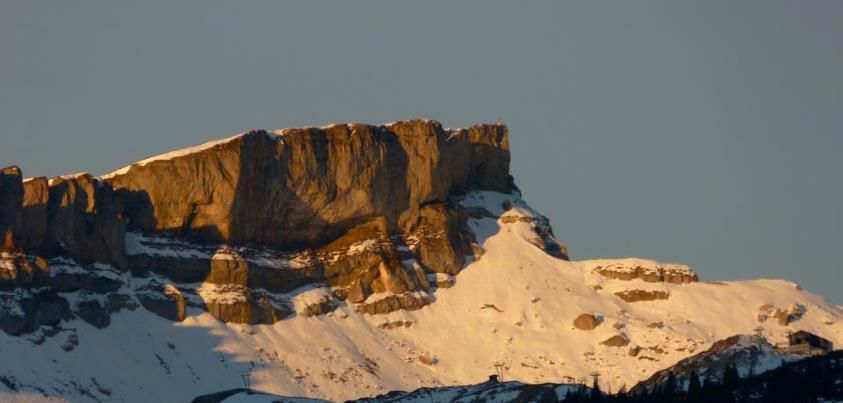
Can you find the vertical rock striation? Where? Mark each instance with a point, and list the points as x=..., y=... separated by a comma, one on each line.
x=305, y=187
x=11, y=200
x=361, y=209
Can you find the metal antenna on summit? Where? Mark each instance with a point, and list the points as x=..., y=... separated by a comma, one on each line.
x=499, y=367
x=247, y=382
x=596, y=376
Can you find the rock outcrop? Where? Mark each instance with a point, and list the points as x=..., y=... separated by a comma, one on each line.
x=84, y=221
x=618, y=340
x=227, y=297
x=544, y=238
x=233, y=225
x=782, y=316
x=228, y=267
x=19, y=270
x=75, y=216
x=321, y=306
x=586, y=321
x=25, y=311
x=36, y=199
x=439, y=239
x=11, y=201
x=308, y=186
x=166, y=301
x=364, y=261
x=91, y=310
x=407, y=301
x=642, y=295
x=645, y=270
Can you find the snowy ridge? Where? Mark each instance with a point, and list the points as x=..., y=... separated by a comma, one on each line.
x=174, y=154
x=628, y=265
x=277, y=133
x=515, y=305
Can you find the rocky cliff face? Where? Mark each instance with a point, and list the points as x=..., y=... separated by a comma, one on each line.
x=305, y=187
x=11, y=201
x=750, y=355
x=76, y=215
x=366, y=212
x=483, y=265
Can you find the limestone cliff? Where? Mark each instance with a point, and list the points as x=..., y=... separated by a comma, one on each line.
x=365, y=211
x=305, y=187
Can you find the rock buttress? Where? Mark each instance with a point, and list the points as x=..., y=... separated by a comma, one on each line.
x=306, y=187
x=361, y=209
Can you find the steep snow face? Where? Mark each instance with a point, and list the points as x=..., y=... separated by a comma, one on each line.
x=514, y=305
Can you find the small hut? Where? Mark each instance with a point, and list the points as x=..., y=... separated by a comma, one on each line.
x=806, y=343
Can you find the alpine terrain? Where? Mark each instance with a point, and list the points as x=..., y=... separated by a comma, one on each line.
x=345, y=262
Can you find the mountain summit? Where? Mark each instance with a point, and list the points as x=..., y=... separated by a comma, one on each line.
x=337, y=262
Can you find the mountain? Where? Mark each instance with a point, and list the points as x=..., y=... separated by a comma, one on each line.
x=747, y=355
x=491, y=391
x=815, y=379
x=337, y=263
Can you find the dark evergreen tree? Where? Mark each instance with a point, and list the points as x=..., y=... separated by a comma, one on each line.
x=731, y=376
x=622, y=390
x=596, y=393
x=669, y=388
x=694, y=394
x=643, y=396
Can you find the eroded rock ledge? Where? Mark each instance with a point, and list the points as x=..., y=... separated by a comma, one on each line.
x=236, y=226
x=644, y=270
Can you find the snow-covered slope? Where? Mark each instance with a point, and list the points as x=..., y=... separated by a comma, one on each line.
x=243, y=395
x=515, y=306
x=490, y=392
x=748, y=355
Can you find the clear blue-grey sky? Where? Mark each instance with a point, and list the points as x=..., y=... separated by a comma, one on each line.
x=709, y=133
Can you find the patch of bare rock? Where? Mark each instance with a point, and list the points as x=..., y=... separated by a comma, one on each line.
x=586, y=321
x=642, y=295
x=370, y=212
x=544, y=239
x=324, y=305
x=648, y=271
x=618, y=340
x=385, y=304
x=783, y=316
